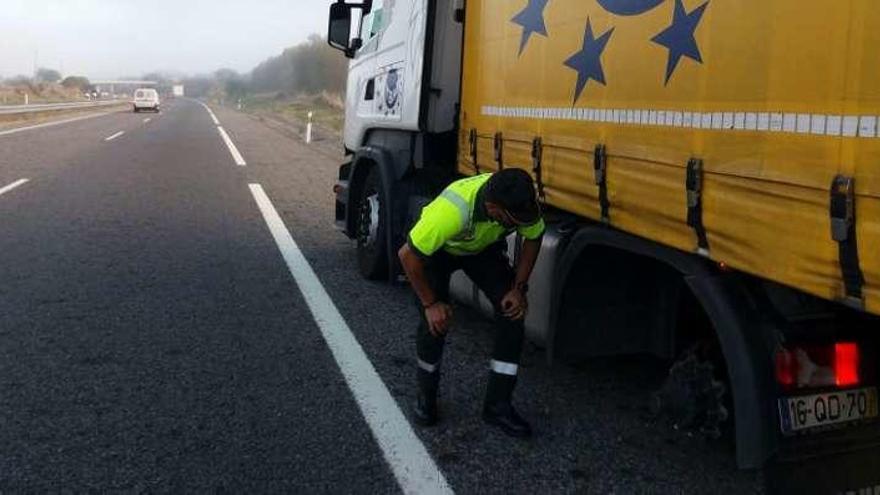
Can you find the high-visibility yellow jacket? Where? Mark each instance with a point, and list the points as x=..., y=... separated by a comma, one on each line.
x=456, y=221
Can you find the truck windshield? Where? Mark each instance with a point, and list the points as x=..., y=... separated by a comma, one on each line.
x=373, y=22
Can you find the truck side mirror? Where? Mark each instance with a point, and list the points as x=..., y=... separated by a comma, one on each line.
x=339, y=29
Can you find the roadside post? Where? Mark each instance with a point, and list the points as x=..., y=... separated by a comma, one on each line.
x=309, y=129
x=25, y=99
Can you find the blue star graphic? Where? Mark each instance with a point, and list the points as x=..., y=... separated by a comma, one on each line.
x=629, y=7
x=679, y=37
x=587, y=62
x=531, y=19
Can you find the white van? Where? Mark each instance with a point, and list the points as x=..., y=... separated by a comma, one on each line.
x=146, y=98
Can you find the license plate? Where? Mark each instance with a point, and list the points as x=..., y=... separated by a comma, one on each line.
x=810, y=411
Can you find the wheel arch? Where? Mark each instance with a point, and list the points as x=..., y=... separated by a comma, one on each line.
x=728, y=301
x=390, y=173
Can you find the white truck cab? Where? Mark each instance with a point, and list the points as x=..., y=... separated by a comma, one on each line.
x=388, y=87
x=401, y=115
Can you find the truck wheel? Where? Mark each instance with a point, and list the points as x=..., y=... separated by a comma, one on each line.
x=372, y=248
x=693, y=396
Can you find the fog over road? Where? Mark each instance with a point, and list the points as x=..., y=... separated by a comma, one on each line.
x=159, y=332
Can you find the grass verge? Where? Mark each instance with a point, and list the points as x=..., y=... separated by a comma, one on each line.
x=326, y=111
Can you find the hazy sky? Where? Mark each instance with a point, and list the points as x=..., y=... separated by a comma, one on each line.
x=121, y=38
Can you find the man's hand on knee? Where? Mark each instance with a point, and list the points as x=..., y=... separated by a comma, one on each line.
x=439, y=317
x=514, y=305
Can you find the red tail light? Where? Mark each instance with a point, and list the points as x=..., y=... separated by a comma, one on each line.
x=846, y=364
x=786, y=368
x=805, y=366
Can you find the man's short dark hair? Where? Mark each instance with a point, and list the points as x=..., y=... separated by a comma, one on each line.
x=514, y=190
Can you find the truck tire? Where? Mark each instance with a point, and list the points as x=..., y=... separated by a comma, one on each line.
x=694, y=397
x=371, y=227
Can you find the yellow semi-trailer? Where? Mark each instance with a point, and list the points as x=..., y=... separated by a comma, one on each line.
x=772, y=101
x=709, y=172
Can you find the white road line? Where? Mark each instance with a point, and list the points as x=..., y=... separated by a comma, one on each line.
x=114, y=136
x=408, y=458
x=210, y=112
x=19, y=182
x=50, y=124
x=239, y=160
x=147, y=120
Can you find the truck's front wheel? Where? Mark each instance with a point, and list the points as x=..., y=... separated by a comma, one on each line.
x=372, y=248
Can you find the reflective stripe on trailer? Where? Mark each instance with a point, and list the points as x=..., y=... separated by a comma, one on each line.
x=863, y=126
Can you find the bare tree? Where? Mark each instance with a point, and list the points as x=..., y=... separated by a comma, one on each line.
x=48, y=75
x=78, y=82
x=310, y=67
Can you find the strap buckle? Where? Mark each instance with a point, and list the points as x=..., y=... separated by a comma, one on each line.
x=842, y=211
x=600, y=175
x=537, y=158
x=694, y=182
x=694, y=187
x=600, y=164
x=537, y=151
x=842, y=207
x=499, y=147
x=472, y=143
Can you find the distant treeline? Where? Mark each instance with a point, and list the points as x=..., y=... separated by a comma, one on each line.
x=44, y=77
x=310, y=67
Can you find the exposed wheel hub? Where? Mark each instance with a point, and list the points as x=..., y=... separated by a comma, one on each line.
x=693, y=397
x=368, y=224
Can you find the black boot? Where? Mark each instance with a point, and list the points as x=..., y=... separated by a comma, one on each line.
x=498, y=410
x=505, y=417
x=425, y=407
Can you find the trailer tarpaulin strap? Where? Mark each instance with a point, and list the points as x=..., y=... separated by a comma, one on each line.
x=472, y=141
x=600, y=169
x=499, y=148
x=843, y=231
x=694, y=184
x=537, y=158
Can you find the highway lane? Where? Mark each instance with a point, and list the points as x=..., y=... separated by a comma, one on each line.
x=48, y=148
x=153, y=338
x=150, y=335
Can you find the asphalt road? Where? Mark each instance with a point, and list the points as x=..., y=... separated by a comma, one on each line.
x=157, y=336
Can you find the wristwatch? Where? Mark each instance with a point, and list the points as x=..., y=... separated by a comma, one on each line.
x=522, y=287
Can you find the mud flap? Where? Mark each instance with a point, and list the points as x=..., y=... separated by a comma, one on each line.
x=856, y=473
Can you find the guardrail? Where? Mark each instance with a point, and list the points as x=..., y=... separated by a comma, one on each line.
x=48, y=107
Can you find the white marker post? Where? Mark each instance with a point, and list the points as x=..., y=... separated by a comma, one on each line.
x=25, y=99
x=309, y=129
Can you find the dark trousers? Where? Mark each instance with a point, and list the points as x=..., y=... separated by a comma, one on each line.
x=490, y=270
